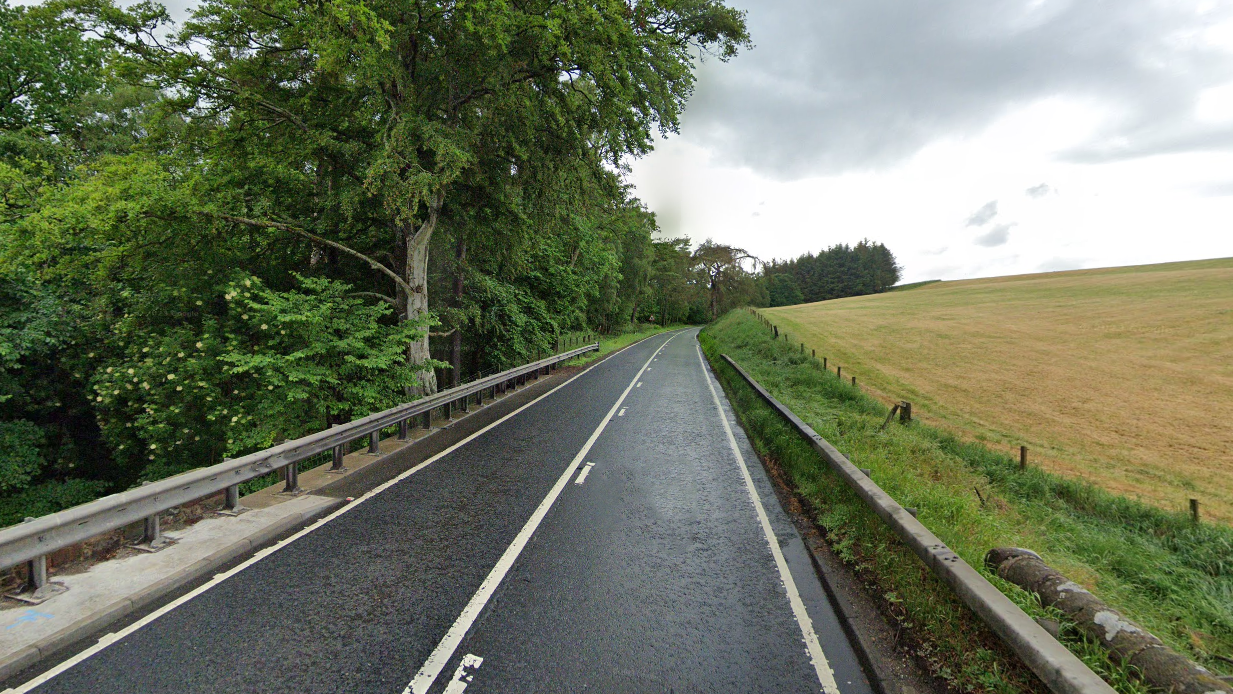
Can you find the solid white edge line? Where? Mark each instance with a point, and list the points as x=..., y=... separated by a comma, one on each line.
x=441, y=655
x=109, y=639
x=826, y=676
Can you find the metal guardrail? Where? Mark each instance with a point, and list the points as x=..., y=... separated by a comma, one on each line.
x=1056, y=666
x=34, y=539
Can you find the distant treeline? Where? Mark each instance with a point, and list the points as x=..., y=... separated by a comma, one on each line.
x=841, y=270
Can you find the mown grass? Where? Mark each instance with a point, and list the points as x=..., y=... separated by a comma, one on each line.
x=912, y=285
x=1173, y=577
x=1118, y=376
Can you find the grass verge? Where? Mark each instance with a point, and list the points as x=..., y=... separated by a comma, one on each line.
x=614, y=341
x=1171, y=576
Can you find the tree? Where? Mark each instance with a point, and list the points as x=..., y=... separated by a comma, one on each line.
x=725, y=277
x=839, y=271
x=783, y=290
x=377, y=113
x=47, y=66
x=670, y=286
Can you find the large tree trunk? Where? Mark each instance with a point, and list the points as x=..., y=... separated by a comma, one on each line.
x=417, y=299
x=456, y=347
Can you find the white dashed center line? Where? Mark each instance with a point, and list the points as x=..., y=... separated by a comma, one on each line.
x=583, y=475
x=464, y=674
x=621, y=413
x=441, y=655
x=639, y=384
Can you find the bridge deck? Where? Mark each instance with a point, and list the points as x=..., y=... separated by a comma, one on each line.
x=604, y=538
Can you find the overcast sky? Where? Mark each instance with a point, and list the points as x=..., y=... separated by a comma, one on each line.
x=973, y=137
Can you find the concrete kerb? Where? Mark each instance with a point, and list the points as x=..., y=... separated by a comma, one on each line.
x=15, y=662
x=1059, y=669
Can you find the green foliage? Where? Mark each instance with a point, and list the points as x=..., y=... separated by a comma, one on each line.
x=839, y=271
x=315, y=357
x=276, y=365
x=782, y=290
x=20, y=459
x=218, y=235
x=48, y=65
x=48, y=497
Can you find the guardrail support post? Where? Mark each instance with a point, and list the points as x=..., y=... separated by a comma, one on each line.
x=428, y=420
x=337, y=464
x=36, y=574
x=374, y=443
x=231, y=501
x=293, y=479
x=463, y=403
x=153, y=537
x=449, y=410
x=402, y=430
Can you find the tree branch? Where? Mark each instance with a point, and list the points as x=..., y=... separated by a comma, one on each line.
x=316, y=239
x=380, y=297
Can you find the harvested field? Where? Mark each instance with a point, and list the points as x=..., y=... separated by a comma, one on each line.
x=1119, y=376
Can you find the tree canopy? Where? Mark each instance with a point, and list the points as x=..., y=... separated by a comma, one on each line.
x=277, y=216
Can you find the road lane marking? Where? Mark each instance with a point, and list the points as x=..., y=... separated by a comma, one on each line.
x=583, y=475
x=640, y=382
x=826, y=676
x=464, y=674
x=621, y=413
x=445, y=649
x=107, y=640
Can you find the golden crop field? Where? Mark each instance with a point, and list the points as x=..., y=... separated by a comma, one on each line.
x=1120, y=376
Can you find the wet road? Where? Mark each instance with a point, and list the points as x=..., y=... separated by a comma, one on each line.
x=616, y=535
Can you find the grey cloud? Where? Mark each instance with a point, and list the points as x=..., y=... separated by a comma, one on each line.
x=997, y=236
x=835, y=86
x=1039, y=191
x=984, y=215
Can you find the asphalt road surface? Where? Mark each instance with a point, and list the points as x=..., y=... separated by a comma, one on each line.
x=616, y=535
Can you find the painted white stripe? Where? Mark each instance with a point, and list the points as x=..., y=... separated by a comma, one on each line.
x=583, y=475
x=826, y=676
x=445, y=649
x=621, y=413
x=108, y=639
x=639, y=384
x=464, y=674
